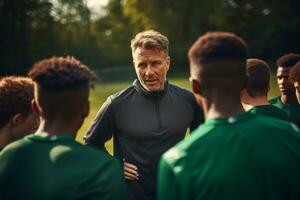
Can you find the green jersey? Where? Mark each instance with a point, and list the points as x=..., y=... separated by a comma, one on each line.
x=58, y=167
x=270, y=111
x=293, y=110
x=244, y=157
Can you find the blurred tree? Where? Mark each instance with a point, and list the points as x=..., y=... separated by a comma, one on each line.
x=271, y=28
x=114, y=32
x=20, y=22
x=35, y=29
x=73, y=29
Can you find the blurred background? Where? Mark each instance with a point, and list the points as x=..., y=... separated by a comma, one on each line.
x=98, y=32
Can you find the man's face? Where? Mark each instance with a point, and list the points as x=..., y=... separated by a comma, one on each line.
x=297, y=88
x=151, y=67
x=284, y=84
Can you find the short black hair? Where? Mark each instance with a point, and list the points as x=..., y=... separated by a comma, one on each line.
x=61, y=73
x=295, y=73
x=62, y=86
x=288, y=60
x=218, y=46
x=258, y=72
x=218, y=59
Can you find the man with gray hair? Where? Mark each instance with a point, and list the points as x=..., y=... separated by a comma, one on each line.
x=147, y=118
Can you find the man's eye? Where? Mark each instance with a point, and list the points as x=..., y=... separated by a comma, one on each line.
x=142, y=65
x=156, y=63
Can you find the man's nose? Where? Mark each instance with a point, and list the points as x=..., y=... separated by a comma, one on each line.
x=149, y=70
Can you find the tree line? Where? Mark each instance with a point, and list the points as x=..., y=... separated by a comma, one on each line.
x=35, y=29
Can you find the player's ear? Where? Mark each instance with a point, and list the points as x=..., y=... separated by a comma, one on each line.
x=17, y=119
x=196, y=86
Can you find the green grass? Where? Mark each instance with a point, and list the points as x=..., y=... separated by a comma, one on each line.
x=101, y=91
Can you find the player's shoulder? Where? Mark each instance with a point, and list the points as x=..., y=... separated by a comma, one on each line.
x=88, y=156
x=187, y=147
x=273, y=123
x=16, y=146
x=274, y=100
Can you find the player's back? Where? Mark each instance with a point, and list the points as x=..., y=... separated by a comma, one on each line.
x=57, y=167
x=243, y=157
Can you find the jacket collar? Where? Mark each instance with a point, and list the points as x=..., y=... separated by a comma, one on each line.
x=138, y=86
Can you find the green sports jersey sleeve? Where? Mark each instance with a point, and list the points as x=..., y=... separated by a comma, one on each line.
x=114, y=187
x=166, y=182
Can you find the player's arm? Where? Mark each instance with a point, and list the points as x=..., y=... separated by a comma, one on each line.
x=102, y=127
x=167, y=187
x=108, y=183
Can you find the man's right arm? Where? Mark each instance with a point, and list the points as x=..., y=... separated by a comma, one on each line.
x=102, y=127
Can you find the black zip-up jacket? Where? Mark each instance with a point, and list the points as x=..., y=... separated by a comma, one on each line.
x=144, y=125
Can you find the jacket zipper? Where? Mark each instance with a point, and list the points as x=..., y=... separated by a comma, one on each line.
x=157, y=111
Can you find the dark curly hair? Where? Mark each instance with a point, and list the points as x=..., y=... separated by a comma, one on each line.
x=61, y=73
x=16, y=94
x=288, y=60
x=218, y=46
x=295, y=73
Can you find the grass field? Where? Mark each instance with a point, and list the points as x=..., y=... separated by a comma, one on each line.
x=101, y=91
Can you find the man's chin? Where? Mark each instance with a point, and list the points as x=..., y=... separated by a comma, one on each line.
x=151, y=88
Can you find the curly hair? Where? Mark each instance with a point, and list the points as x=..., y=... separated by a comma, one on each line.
x=150, y=40
x=295, y=73
x=288, y=60
x=218, y=46
x=258, y=72
x=61, y=73
x=16, y=94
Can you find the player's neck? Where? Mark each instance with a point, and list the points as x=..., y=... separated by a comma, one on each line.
x=56, y=128
x=288, y=99
x=256, y=101
x=223, y=107
x=5, y=137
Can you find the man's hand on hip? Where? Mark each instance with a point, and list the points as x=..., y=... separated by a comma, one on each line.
x=130, y=171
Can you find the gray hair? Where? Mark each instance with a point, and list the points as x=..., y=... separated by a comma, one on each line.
x=150, y=40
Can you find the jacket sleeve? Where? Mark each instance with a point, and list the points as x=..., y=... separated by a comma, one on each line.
x=198, y=115
x=102, y=128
